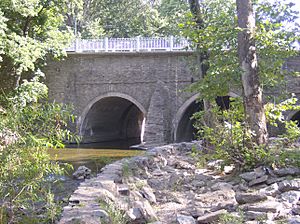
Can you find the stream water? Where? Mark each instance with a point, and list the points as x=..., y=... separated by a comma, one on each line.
x=94, y=159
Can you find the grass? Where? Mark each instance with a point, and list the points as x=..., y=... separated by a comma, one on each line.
x=116, y=215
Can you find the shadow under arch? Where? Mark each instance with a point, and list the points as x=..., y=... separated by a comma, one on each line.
x=183, y=125
x=113, y=120
x=296, y=117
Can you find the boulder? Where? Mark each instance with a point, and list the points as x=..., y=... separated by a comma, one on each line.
x=184, y=219
x=82, y=173
x=144, y=207
x=249, y=176
x=289, y=185
x=147, y=192
x=259, y=180
x=293, y=171
x=243, y=198
x=291, y=197
x=212, y=217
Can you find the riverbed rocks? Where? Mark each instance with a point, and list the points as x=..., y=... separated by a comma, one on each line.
x=82, y=173
x=165, y=186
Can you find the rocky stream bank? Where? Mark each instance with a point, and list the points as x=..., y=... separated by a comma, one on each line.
x=164, y=186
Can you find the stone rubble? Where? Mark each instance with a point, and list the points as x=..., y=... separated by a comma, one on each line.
x=164, y=186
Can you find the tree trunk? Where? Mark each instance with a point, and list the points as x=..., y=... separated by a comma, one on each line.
x=252, y=92
x=202, y=58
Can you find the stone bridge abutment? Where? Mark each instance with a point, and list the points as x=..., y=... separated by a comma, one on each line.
x=126, y=96
x=132, y=96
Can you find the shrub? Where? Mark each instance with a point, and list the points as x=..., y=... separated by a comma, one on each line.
x=28, y=128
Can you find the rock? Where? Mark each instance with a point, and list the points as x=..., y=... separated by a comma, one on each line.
x=229, y=169
x=273, y=180
x=198, y=184
x=272, y=190
x=104, y=217
x=158, y=172
x=202, y=177
x=183, y=219
x=183, y=165
x=296, y=210
x=267, y=206
x=293, y=171
x=221, y=186
x=221, y=198
x=288, y=185
x=82, y=173
x=259, y=180
x=136, y=215
x=123, y=189
x=146, y=210
x=294, y=220
x=243, y=198
x=249, y=176
x=215, y=164
x=251, y=215
x=147, y=192
x=174, y=180
x=291, y=197
x=211, y=217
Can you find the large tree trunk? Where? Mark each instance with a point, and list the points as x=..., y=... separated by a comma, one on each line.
x=202, y=58
x=252, y=92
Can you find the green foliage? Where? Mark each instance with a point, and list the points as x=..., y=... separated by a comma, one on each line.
x=233, y=143
x=29, y=126
x=231, y=140
x=232, y=219
x=116, y=215
x=275, y=116
x=126, y=170
x=30, y=30
x=130, y=18
x=218, y=36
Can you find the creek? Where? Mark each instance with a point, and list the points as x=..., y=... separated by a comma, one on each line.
x=92, y=158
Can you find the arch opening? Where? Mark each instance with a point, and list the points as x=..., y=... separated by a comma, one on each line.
x=185, y=129
x=113, y=122
x=296, y=117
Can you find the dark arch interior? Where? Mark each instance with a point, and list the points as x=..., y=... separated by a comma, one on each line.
x=223, y=102
x=296, y=117
x=112, y=122
x=185, y=129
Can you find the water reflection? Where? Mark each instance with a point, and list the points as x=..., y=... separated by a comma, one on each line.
x=95, y=159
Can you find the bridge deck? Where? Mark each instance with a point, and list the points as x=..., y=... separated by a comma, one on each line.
x=138, y=44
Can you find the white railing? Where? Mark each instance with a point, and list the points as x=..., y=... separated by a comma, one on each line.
x=129, y=44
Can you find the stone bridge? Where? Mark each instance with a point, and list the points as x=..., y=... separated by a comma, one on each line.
x=124, y=96
x=136, y=96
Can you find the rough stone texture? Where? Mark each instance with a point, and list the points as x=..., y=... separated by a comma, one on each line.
x=244, y=198
x=82, y=173
x=153, y=82
x=211, y=217
x=184, y=219
x=111, y=87
x=165, y=187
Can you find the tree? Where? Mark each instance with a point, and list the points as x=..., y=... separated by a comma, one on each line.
x=252, y=92
x=30, y=30
x=234, y=136
x=129, y=18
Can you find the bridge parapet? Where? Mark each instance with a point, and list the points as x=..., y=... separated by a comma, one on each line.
x=130, y=44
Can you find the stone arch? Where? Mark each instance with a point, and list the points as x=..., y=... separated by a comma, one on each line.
x=187, y=109
x=112, y=117
x=295, y=117
x=183, y=130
